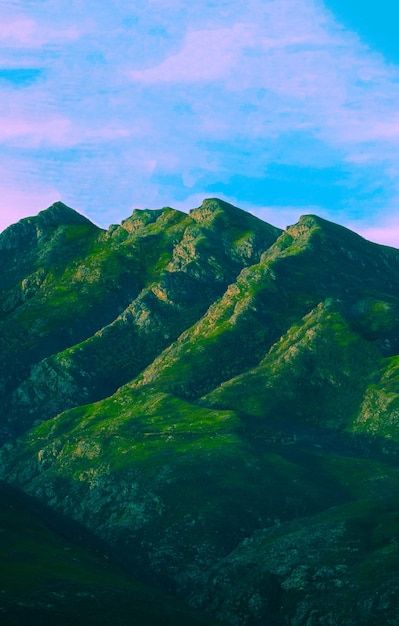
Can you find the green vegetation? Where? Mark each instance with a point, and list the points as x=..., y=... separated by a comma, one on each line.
x=54, y=572
x=216, y=401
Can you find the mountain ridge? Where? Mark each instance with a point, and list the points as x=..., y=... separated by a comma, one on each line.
x=159, y=301
x=224, y=388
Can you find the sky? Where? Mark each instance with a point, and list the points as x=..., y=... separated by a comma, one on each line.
x=281, y=107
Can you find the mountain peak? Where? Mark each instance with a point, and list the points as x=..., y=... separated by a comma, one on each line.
x=45, y=222
x=330, y=233
x=310, y=222
x=212, y=206
x=214, y=209
x=59, y=214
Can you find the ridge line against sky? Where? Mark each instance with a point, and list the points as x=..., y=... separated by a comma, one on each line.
x=281, y=107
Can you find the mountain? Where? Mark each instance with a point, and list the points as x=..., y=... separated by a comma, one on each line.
x=55, y=572
x=86, y=310
x=214, y=399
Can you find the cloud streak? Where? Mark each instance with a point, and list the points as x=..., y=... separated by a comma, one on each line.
x=207, y=55
x=151, y=104
x=27, y=33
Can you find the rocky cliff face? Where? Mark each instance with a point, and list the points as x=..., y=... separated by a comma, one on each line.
x=217, y=400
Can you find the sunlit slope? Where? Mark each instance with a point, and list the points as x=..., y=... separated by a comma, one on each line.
x=114, y=301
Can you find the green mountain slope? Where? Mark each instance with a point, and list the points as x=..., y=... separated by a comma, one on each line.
x=109, y=306
x=53, y=572
x=231, y=429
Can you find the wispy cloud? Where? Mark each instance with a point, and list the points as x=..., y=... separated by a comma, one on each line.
x=28, y=33
x=318, y=77
x=268, y=104
x=18, y=30
x=17, y=203
x=23, y=131
x=385, y=232
x=207, y=55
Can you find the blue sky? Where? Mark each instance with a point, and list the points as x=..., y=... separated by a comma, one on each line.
x=282, y=107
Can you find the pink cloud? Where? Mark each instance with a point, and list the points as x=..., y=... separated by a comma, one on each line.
x=206, y=55
x=16, y=203
x=328, y=82
x=266, y=28
x=20, y=30
x=62, y=132
x=25, y=32
x=386, y=234
x=41, y=131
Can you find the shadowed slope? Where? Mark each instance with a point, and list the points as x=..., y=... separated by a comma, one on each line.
x=54, y=572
